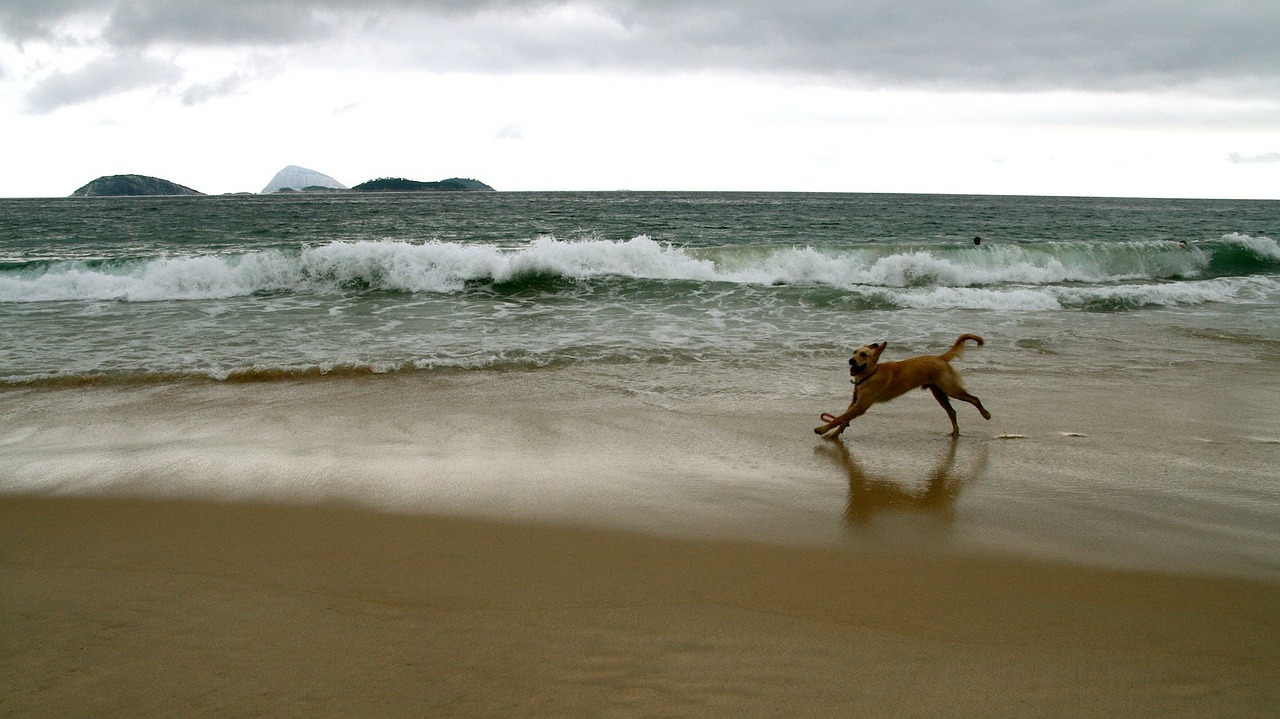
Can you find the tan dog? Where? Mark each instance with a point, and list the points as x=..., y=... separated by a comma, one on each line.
x=876, y=381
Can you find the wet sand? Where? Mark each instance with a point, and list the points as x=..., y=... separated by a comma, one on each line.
x=164, y=608
x=1117, y=472
x=569, y=544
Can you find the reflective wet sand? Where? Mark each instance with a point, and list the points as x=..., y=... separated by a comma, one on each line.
x=581, y=543
x=1114, y=473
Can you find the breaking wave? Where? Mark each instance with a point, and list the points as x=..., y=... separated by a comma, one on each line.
x=948, y=274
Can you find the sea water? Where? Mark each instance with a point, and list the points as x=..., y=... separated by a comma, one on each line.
x=658, y=361
x=124, y=289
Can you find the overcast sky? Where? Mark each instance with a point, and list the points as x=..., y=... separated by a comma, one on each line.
x=1081, y=97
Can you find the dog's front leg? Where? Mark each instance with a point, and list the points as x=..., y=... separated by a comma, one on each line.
x=836, y=425
x=832, y=420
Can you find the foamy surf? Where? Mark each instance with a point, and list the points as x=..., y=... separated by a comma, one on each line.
x=1034, y=276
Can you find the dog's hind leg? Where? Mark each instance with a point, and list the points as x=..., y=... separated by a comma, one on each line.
x=941, y=396
x=964, y=396
x=949, y=385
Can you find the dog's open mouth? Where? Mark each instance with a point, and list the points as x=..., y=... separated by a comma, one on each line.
x=856, y=369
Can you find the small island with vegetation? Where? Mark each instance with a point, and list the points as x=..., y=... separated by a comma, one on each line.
x=399, y=184
x=132, y=186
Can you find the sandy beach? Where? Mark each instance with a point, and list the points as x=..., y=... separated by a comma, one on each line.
x=569, y=544
x=136, y=608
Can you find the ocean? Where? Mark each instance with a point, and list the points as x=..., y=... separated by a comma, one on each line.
x=238, y=287
x=733, y=304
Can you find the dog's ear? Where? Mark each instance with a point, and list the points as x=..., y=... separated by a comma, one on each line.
x=880, y=348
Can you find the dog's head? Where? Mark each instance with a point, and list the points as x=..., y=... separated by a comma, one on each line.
x=864, y=358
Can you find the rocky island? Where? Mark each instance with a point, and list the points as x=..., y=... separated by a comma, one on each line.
x=132, y=185
x=399, y=184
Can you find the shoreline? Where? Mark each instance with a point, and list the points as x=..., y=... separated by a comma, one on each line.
x=165, y=608
x=1109, y=474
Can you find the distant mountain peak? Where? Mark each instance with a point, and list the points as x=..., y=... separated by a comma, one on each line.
x=300, y=178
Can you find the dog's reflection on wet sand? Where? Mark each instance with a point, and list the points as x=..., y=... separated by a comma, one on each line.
x=869, y=495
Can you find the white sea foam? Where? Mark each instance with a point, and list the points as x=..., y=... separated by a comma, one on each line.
x=638, y=257
x=1264, y=247
x=1161, y=294
x=1050, y=298
x=179, y=278
x=445, y=267
x=399, y=266
x=971, y=298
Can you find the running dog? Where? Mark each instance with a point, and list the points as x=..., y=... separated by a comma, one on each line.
x=876, y=381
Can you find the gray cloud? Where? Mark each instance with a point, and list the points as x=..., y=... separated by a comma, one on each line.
x=101, y=78
x=141, y=23
x=1265, y=158
x=1005, y=44
x=224, y=22
x=203, y=92
x=25, y=20
x=979, y=44
x=253, y=69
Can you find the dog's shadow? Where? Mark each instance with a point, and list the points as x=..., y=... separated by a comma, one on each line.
x=872, y=494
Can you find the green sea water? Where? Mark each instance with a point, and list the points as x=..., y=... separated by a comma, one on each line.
x=242, y=286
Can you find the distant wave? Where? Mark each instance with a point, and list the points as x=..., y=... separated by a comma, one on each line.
x=448, y=267
x=1263, y=248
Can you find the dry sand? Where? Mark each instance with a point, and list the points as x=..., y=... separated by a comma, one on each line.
x=141, y=608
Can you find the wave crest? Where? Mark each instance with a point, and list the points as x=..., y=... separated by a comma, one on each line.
x=1263, y=248
x=448, y=267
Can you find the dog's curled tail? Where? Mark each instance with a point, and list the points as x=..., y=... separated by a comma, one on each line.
x=957, y=349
